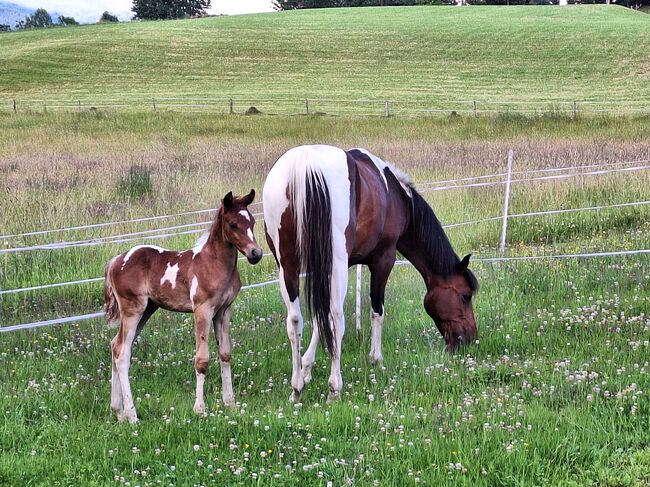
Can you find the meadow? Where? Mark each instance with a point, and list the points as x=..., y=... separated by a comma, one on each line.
x=507, y=58
x=553, y=393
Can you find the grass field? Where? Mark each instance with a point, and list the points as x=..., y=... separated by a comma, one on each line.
x=554, y=393
x=433, y=56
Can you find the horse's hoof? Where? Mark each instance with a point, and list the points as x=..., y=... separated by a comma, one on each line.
x=121, y=417
x=229, y=402
x=306, y=377
x=199, y=409
x=295, y=396
x=375, y=361
x=333, y=397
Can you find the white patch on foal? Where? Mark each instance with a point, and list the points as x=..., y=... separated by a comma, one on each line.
x=136, y=248
x=245, y=214
x=193, y=288
x=200, y=243
x=249, y=232
x=170, y=275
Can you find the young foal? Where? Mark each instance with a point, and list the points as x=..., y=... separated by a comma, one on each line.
x=203, y=280
x=326, y=209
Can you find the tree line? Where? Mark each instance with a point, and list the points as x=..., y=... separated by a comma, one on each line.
x=300, y=4
x=41, y=19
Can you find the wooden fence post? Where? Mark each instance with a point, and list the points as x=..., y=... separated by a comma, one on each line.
x=506, y=204
x=232, y=106
x=387, y=108
x=475, y=110
x=306, y=106
x=15, y=111
x=575, y=108
x=153, y=104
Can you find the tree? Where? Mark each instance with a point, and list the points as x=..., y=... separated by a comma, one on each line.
x=66, y=21
x=38, y=20
x=4, y=28
x=108, y=17
x=169, y=9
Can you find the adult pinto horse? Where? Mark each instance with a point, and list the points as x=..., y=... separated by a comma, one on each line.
x=203, y=280
x=326, y=209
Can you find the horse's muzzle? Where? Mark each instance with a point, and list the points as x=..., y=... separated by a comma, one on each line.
x=254, y=255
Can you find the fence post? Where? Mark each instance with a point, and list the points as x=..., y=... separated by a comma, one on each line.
x=475, y=110
x=79, y=105
x=14, y=105
x=575, y=108
x=357, y=312
x=506, y=203
x=231, y=103
x=387, y=108
x=153, y=104
x=306, y=106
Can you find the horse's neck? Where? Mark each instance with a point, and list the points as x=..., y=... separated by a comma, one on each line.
x=417, y=256
x=219, y=248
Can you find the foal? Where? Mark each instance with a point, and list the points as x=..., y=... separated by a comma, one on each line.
x=203, y=280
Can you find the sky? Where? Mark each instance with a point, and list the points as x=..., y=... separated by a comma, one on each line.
x=91, y=10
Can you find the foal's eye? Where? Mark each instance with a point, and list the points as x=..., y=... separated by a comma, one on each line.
x=233, y=226
x=467, y=298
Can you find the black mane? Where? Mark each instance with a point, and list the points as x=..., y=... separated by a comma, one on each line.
x=430, y=236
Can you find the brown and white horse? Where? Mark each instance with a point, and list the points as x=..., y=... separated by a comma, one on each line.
x=326, y=209
x=203, y=280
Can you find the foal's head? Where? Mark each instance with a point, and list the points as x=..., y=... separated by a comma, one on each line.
x=449, y=302
x=237, y=225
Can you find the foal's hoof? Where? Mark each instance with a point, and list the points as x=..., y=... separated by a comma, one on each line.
x=199, y=409
x=295, y=396
x=376, y=360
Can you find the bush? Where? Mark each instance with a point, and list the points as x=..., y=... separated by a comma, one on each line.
x=136, y=184
x=108, y=17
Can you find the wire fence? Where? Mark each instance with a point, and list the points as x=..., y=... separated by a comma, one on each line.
x=433, y=186
x=381, y=107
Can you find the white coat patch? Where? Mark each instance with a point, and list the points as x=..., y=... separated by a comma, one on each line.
x=403, y=179
x=245, y=214
x=193, y=289
x=249, y=232
x=170, y=275
x=200, y=243
x=136, y=248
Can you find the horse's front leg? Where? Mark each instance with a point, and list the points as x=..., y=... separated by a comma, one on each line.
x=222, y=332
x=379, y=272
x=202, y=318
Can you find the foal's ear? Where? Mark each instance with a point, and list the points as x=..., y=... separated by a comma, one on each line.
x=248, y=199
x=227, y=201
x=464, y=264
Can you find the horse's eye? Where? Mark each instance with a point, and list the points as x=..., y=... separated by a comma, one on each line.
x=467, y=298
x=233, y=226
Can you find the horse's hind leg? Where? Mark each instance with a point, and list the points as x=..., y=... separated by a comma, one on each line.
x=117, y=402
x=309, y=358
x=339, y=290
x=289, y=289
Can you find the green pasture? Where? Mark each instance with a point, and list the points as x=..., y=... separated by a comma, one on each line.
x=554, y=393
x=435, y=57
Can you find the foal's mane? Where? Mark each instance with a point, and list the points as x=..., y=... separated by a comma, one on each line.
x=429, y=234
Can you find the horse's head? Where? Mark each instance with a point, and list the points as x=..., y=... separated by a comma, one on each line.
x=449, y=302
x=237, y=225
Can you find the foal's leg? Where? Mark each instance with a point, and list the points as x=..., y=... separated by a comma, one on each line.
x=289, y=289
x=379, y=272
x=309, y=358
x=222, y=332
x=117, y=403
x=202, y=317
x=339, y=289
x=121, y=350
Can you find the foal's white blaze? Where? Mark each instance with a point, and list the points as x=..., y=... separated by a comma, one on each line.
x=249, y=232
x=170, y=275
x=193, y=288
x=245, y=214
x=136, y=248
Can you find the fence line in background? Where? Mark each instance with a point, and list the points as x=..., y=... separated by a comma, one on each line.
x=451, y=225
x=70, y=319
x=424, y=186
x=306, y=106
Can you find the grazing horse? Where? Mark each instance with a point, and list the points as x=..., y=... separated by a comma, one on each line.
x=326, y=209
x=203, y=280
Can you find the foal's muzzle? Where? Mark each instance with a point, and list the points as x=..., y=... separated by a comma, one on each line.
x=254, y=255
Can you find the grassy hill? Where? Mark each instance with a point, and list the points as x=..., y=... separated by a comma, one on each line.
x=420, y=54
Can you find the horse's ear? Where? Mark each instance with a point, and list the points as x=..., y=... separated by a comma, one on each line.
x=248, y=199
x=464, y=264
x=227, y=201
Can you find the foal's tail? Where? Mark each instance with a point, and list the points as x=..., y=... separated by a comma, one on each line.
x=313, y=214
x=111, y=309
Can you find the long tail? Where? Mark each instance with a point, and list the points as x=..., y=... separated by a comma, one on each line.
x=313, y=213
x=111, y=309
